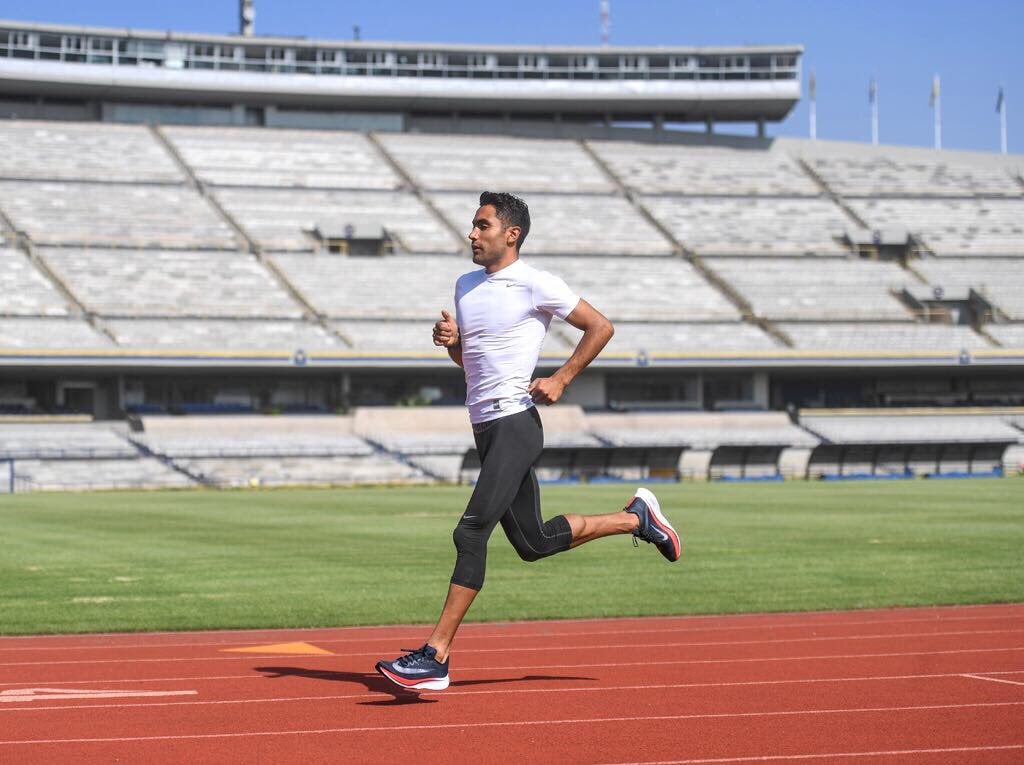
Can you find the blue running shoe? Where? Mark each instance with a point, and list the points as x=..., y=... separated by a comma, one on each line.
x=418, y=670
x=654, y=528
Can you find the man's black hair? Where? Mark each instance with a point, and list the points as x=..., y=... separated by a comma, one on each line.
x=510, y=210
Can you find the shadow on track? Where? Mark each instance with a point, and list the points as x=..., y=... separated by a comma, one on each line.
x=375, y=683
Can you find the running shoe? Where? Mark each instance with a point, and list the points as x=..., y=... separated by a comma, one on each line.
x=654, y=528
x=418, y=670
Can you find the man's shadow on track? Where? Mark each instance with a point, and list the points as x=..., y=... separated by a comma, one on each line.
x=375, y=683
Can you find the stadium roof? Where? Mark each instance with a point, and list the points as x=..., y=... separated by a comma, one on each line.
x=672, y=84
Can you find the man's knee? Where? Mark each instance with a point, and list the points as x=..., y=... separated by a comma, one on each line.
x=527, y=553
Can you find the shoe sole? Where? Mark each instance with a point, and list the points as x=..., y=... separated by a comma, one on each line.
x=652, y=504
x=433, y=684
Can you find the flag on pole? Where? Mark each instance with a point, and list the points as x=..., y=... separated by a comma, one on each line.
x=872, y=91
x=935, y=91
x=1000, y=100
x=813, y=86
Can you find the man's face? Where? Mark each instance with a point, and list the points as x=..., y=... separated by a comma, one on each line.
x=490, y=239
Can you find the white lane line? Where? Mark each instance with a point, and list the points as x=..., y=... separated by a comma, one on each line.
x=828, y=755
x=453, y=691
x=602, y=647
x=522, y=723
x=250, y=676
x=280, y=635
x=991, y=679
x=266, y=657
x=937, y=613
x=20, y=695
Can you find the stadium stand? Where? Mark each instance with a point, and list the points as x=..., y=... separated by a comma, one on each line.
x=166, y=283
x=267, y=451
x=418, y=286
x=742, y=445
x=699, y=170
x=570, y=224
x=816, y=288
x=473, y=163
x=112, y=214
x=282, y=158
x=221, y=334
x=658, y=289
x=286, y=219
x=687, y=337
x=24, y=291
x=84, y=151
x=1008, y=335
x=894, y=337
x=752, y=225
x=998, y=280
x=50, y=333
x=52, y=456
x=854, y=170
x=951, y=226
x=902, y=443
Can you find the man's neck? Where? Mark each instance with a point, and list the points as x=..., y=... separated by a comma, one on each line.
x=507, y=260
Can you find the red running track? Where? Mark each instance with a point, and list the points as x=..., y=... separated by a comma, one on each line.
x=926, y=685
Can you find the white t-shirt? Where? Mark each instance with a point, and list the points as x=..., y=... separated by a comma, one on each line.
x=503, y=318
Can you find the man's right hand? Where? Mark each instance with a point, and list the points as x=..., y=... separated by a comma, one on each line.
x=446, y=331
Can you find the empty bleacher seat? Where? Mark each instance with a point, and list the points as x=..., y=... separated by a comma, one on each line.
x=284, y=219
x=24, y=291
x=888, y=427
x=393, y=287
x=221, y=334
x=752, y=225
x=862, y=171
x=697, y=170
x=806, y=288
x=60, y=440
x=86, y=151
x=171, y=283
x=642, y=289
x=230, y=156
x=700, y=430
x=954, y=226
x=96, y=474
x=499, y=163
x=98, y=214
x=890, y=337
x=1008, y=335
x=50, y=333
x=999, y=280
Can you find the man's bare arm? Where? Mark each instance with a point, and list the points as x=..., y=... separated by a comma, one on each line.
x=597, y=331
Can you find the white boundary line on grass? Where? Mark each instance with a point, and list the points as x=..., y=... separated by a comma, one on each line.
x=453, y=691
x=517, y=723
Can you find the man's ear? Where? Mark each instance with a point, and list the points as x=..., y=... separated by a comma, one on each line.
x=512, y=235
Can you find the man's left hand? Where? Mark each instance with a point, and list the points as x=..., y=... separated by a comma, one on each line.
x=546, y=390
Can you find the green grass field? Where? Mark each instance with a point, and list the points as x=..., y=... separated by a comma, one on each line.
x=181, y=560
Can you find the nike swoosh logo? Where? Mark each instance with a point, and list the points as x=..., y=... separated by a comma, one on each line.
x=408, y=671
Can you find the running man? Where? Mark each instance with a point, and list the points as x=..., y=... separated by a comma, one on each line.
x=502, y=315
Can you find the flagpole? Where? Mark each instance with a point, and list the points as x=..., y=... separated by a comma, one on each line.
x=1002, y=121
x=873, y=95
x=813, y=88
x=937, y=110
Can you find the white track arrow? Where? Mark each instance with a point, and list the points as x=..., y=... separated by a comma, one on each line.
x=43, y=694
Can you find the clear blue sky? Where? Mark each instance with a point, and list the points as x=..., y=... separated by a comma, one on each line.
x=975, y=46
